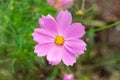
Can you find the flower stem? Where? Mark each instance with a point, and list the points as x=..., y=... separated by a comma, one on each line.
x=54, y=73
x=68, y=69
x=106, y=27
x=83, y=5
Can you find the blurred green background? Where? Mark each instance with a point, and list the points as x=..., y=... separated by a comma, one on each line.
x=19, y=18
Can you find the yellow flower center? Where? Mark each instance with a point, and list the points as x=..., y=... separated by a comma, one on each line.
x=57, y=1
x=80, y=12
x=59, y=40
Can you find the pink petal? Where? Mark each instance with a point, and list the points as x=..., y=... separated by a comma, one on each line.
x=64, y=19
x=68, y=58
x=75, y=46
x=54, y=62
x=51, y=2
x=68, y=77
x=76, y=30
x=49, y=24
x=66, y=1
x=42, y=49
x=67, y=4
x=55, y=54
x=42, y=36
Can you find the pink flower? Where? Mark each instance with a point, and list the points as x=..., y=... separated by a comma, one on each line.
x=68, y=77
x=59, y=40
x=61, y=4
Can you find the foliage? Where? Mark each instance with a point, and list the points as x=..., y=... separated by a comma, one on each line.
x=18, y=18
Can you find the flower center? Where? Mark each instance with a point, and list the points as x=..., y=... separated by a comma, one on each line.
x=59, y=40
x=57, y=1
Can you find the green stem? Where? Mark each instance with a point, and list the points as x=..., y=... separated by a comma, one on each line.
x=106, y=27
x=54, y=73
x=68, y=69
x=83, y=5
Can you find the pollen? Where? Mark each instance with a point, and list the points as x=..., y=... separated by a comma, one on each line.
x=57, y=1
x=80, y=12
x=59, y=40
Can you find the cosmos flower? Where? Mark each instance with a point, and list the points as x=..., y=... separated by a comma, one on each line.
x=61, y=4
x=59, y=40
x=68, y=77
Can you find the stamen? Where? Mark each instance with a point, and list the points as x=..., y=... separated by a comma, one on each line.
x=59, y=40
x=57, y=1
